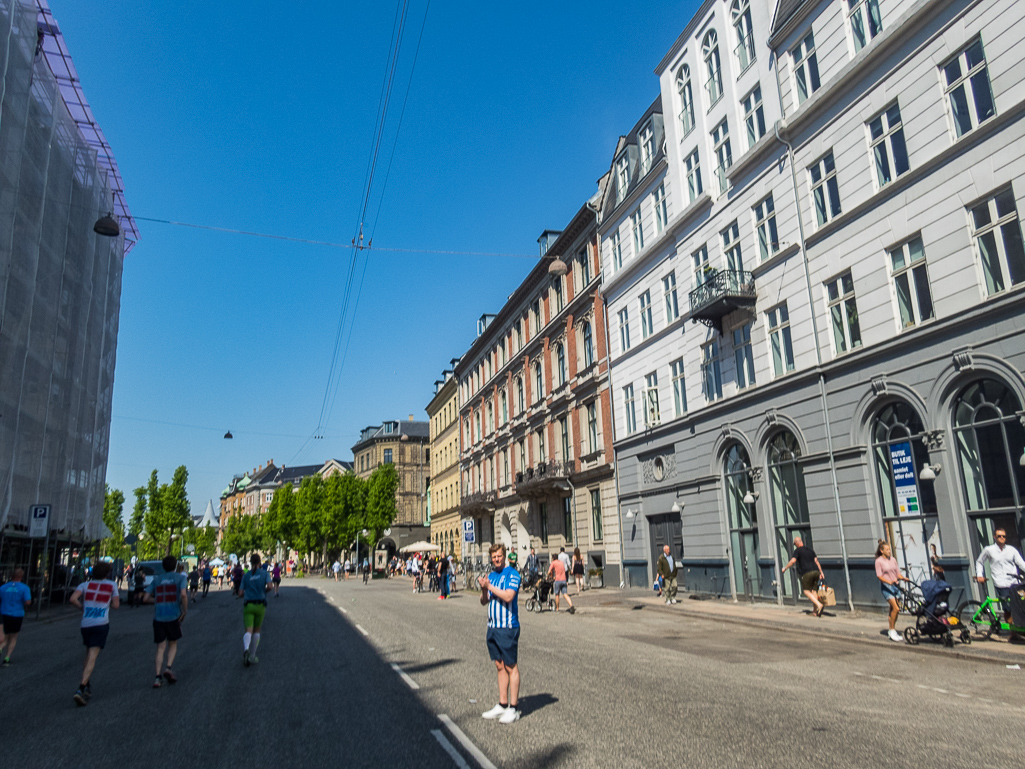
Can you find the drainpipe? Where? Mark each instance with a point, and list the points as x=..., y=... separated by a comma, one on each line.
x=818, y=350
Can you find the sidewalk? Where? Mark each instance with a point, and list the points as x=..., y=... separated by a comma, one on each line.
x=836, y=622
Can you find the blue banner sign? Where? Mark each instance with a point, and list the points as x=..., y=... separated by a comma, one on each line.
x=904, y=482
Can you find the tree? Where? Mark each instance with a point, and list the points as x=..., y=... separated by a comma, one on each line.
x=241, y=536
x=135, y=523
x=380, y=509
x=167, y=511
x=113, y=509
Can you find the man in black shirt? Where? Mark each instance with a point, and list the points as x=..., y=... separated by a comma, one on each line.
x=809, y=571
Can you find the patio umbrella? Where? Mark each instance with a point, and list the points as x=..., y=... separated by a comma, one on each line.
x=418, y=547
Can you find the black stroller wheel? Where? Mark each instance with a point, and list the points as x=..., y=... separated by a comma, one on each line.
x=529, y=605
x=912, y=636
x=948, y=640
x=966, y=636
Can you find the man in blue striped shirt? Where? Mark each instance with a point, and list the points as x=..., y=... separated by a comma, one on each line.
x=502, y=590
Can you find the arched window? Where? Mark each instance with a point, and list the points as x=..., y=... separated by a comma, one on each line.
x=908, y=503
x=588, y=344
x=686, y=100
x=743, y=521
x=713, y=83
x=990, y=441
x=539, y=383
x=740, y=11
x=560, y=364
x=789, y=503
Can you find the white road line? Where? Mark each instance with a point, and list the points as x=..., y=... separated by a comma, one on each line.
x=402, y=674
x=470, y=748
x=360, y=629
x=343, y=610
x=450, y=749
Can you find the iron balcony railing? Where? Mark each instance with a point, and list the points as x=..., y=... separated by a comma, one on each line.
x=541, y=476
x=721, y=292
x=480, y=500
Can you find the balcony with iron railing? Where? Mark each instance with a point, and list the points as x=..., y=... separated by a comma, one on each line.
x=478, y=502
x=722, y=292
x=543, y=478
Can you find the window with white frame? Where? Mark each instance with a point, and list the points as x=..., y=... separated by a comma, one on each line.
x=637, y=226
x=740, y=11
x=743, y=356
x=683, y=87
x=535, y=318
x=997, y=234
x=476, y=426
x=713, y=73
x=886, y=136
x=624, y=329
x=539, y=439
x=521, y=401
x=558, y=294
x=584, y=267
x=564, y=438
x=646, y=321
x=522, y=454
x=693, y=167
x=754, y=116
x=679, y=388
x=669, y=295
x=588, y=343
x=723, y=154
x=731, y=247
x=505, y=467
x=911, y=283
x=778, y=320
x=966, y=84
x=843, y=312
x=661, y=208
x=539, y=382
x=711, y=371
x=560, y=364
x=596, y=521
x=622, y=177
x=824, y=190
x=765, y=226
x=592, y=427
x=629, y=414
x=616, y=246
x=491, y=417
x=865, y=21
x=518, y=334
x=503, y=400
x=651, y=411
x=805, y=67
x=702, y=269
x=646, y=144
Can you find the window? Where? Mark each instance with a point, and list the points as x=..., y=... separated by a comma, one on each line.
x=504, y=404
x=542, y=514
x=651, y=410
x=592, y=427
x=584, y=269
x=967, y=87
x=694, y=188
x=789, y=501
x=617, y=251
x=702, y=270
x=387, y=456
x=743, y=356
x=754, y=117
x=567, y=519
x=646, y=321
x=865, y=21
x=560, y=364
x=622, y=177
x=596, y=522
x=679, y=388
x=844, y=313
x=505, y=467
x=629, y=414
x=638, y=231
x=779, y=339
x=624, y=330
x=539, y=382
x=661, y=208
x=711, y=372
x=824, y=190
x=669, y=294
x=491, y=417
x=741, y=13
x=911, y=283
x=723, y=154
x=990, y=440
x=522, y=455
x=806, y=68
x=646, y=144
x=713, y=84
x=535, y=317
x=520, y=399
x=542, y=454
x=998, y=238
x=476, y=427
x=886, y=134
x=564, y=438
x=686, y=100
x=558, y=294
x=765, y=226
x=588, y=345
x=518, y=334
x=731, y=248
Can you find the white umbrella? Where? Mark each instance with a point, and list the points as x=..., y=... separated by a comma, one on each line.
x=418, y=547
x=217, y=562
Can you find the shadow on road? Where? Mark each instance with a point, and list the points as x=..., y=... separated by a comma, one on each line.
x=535, y=702
x=553, y=756
x=421, y=667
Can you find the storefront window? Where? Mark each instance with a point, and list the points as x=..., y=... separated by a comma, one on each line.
x=743, y=522
x=789, y=503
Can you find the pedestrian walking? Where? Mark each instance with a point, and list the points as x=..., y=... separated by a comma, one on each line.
x=667, y=568
x=564, y=557
x=172, y=604
x=443, y=567
x=336, y=567
x=347, y=568
x=94, y=599
x=208, y=576
x=366, y=570
x=276, y=578
x=558, y=574
x=15, y=596
x=533, y=568
x=809, y=571
x=1004, y=564
x=888, y=572
x=236, y=580
x=254, y=607
x=139, y=587
x=578, y=569
x=194, y=583
x=500, y=592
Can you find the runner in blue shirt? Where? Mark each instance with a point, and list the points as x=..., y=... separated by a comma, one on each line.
x=14, y=597
x=501, y=591
x=254, y=606
x=167, y=591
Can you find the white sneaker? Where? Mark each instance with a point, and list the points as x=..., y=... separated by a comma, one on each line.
x=895, y=636
x=496, y=712
x=510, y=715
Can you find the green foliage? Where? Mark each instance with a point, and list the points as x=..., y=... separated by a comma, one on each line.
x=165, y=512
x=135, y=523
x=242, y=536
x=381, y=487
x=113, y=509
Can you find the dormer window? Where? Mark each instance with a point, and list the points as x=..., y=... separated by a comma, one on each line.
x=622, y=177
x=646, y=144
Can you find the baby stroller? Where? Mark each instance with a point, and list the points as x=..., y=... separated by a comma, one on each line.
x=933, y=618
x=542, y=597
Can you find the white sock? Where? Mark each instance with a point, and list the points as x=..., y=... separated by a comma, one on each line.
x=256, y=642
x=246, y=638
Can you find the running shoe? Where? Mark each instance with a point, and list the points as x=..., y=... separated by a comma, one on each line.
x=253, y=658
x=895, y=636
x=510, y=715
x=572, y=610
x=245, y=658
x=496, y=712
x=158, y=682
x=6, y=663
x=170, y=676
x=81, y=698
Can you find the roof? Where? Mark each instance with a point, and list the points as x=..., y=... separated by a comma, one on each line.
x=785, y=11
x=413, y=429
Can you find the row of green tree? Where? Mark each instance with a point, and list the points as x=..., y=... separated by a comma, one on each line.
x=319, y=519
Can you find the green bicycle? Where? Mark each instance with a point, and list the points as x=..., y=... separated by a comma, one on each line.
x=983, y=619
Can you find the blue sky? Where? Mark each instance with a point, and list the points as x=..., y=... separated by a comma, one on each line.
x=260, y=116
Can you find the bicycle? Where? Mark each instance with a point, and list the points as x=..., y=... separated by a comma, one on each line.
x=911, y=600
x=983, y=621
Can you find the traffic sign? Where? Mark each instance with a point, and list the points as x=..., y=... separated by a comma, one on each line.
x=468, y=533
x=39, y=521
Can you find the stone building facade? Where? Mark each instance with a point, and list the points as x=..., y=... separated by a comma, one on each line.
x=444, y=494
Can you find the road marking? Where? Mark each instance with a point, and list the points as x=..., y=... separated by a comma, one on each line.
x=360, y=629
x=331, y=598
x=941, y=691
x=450, y=749
x=470, y=748
x=402, y=674
x=343, y=610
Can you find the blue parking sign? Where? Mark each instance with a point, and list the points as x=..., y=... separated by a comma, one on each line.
x=468, y=533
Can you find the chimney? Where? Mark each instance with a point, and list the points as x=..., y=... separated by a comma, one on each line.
x=410, y=417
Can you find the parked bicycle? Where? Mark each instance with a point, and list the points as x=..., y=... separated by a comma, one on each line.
x=982, y=618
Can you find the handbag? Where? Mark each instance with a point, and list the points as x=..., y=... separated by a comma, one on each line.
x=826, y=595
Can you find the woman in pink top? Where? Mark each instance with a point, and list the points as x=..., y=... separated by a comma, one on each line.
x=889, y=575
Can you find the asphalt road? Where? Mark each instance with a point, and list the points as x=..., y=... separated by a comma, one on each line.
x=608, y=687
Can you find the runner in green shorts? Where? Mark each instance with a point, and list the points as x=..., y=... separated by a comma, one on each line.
x=254, y=606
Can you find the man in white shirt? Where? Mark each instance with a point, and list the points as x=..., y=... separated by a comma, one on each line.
x=336, y=567
x=1004, y=564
